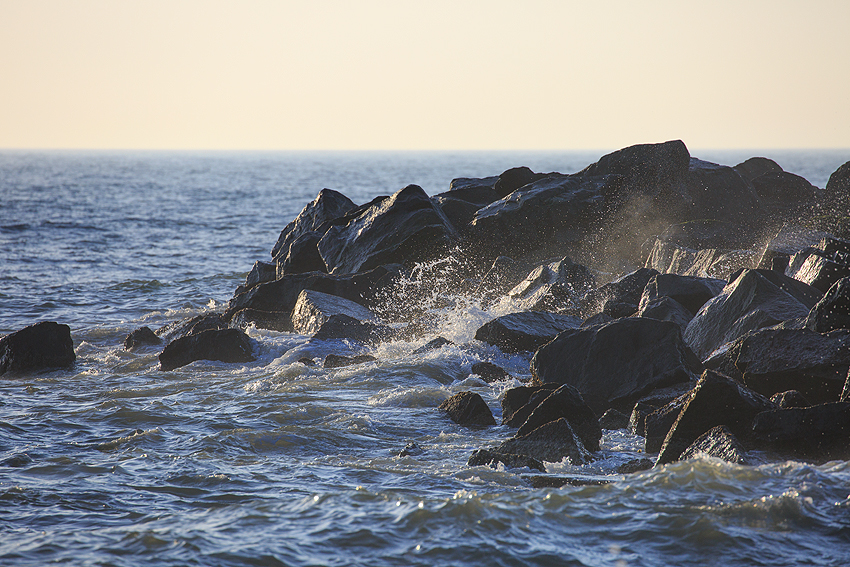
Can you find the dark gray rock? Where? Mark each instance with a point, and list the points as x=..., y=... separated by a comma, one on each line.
x=785, y=195
x=525, y=331
x=719, y=192
x=461, y=203
x=37, y=347
x=614, y=365
x=195, y=325
x=518, y=403
x=649, y=168
x=715, y=400
x=788, y=241
x=748, y=303
x=717, y=442
x=473, y=183
x=542, y=218
x=790, y=399
x=281, y=295
x=468, y=408
x=665, y=309
x=225, y=345
x=776, y=360
x=614, y=419
x=341, y=326
x=327, y=206
x=271, y=320
x=657, y=423
x=756, y=167
x=261, y=272
x=832, y=312
x=820, y=433
x=339, y=361
x=838, y=189
x=626, y=290
x=313, y=308
x=566, y=402
x=141, y=337
x=487, y=457
x=489, y=372
x=551, y=443
x=303, y=256
x=689, y=291
x=514, y=178
x=412, y=449
x=405, y=228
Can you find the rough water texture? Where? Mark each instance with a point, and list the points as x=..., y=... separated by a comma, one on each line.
x=273, y=462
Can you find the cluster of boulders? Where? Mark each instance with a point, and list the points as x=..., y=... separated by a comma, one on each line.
x=704, y=307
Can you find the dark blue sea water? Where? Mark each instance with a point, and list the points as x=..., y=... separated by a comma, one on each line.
x=114, y=462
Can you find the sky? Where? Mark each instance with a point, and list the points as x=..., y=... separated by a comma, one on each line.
x=423, y=75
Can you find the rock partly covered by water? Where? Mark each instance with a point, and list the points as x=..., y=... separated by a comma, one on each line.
x=37, y=347
x=225, y=345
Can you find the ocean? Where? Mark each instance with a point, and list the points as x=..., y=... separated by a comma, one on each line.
x=114, y=462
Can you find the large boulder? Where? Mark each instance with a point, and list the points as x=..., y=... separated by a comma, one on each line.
x=225, y=345
x=551, y=442
x=514, y=178
x=518, y=403
x=657, y=423
x=342, y=326
x=820, y=433
x=788, y=241
x=665, y=309
x=756, y=167
x=327, y=206
x=282, y=294
x=566, y=402
x=405, y=228
x=488, y=457
x=715, y=400
x=719, y=192
x=539, y=219
x=614, y=365
x=775, y=360
x=838, y=189
x=524, y=331
x=313, y=308
x=192, y=326
x=261, y=272
x=468, y=408
x=39, y=346
x=461, y=203
x=784, y=194
x=303, y=256
x=271, y=320
x=751, y=301
x=833, y=310
x=649, y=168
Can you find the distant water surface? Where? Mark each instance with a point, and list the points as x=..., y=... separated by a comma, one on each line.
x=113, y=462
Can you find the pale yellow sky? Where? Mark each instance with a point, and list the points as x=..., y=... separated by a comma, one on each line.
x=323, y=74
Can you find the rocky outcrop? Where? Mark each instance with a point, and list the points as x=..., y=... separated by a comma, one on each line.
x=468, y=408
x=614, y=365
x=226, y=345
x=37, y=347
x=715, y=400
x=518, y=403
x=405, y=228
x=524, y=331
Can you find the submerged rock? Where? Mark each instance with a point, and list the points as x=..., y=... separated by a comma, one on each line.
x=433, y=344
x=339, y=361
x=140, y=337
x=468, y=408
x=489, y=372
x=225, y=345
x=614, y=365
x=488, y=457
x=37, y=347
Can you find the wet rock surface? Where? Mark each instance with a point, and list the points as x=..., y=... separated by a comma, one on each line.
x=468, y=408
x=40, y=346
x=224, y=345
